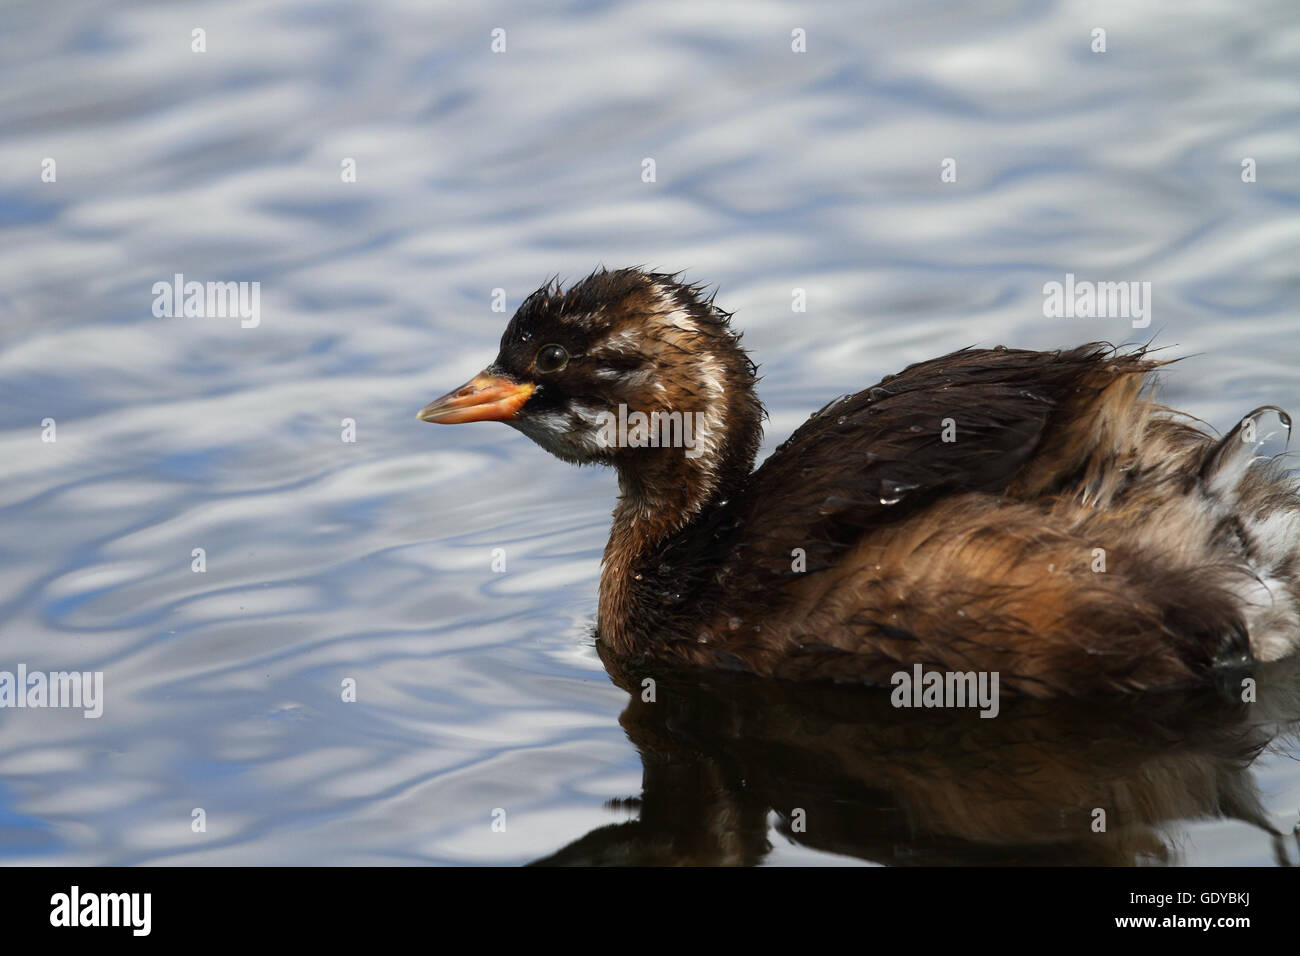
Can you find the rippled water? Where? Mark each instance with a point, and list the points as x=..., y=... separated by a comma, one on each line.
x=370, y=561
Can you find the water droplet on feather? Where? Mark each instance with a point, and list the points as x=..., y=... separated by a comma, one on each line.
x=892, y=491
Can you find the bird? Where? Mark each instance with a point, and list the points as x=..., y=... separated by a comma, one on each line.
x=1035, y=515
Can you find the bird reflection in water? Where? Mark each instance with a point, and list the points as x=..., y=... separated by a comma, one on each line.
x=845, y=772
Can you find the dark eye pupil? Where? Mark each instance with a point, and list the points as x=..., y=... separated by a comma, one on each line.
x=552, y=358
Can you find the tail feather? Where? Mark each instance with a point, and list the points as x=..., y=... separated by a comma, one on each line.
x=1246, y=475
x=1228, y=461
x=1235, y=513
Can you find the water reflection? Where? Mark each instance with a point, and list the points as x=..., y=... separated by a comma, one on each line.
x=844, y=772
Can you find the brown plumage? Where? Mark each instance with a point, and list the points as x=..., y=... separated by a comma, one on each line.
x=1033, y=514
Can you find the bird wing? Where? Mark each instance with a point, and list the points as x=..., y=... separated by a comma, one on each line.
x=968, y=421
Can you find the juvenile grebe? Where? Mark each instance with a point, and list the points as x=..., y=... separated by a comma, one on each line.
x=1032, y=514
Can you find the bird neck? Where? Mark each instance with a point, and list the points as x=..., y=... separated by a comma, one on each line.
x=662, y=493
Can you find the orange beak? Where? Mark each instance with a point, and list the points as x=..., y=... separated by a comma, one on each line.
x=486, y=397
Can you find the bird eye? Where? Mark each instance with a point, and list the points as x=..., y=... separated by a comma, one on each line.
x=551, y=358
